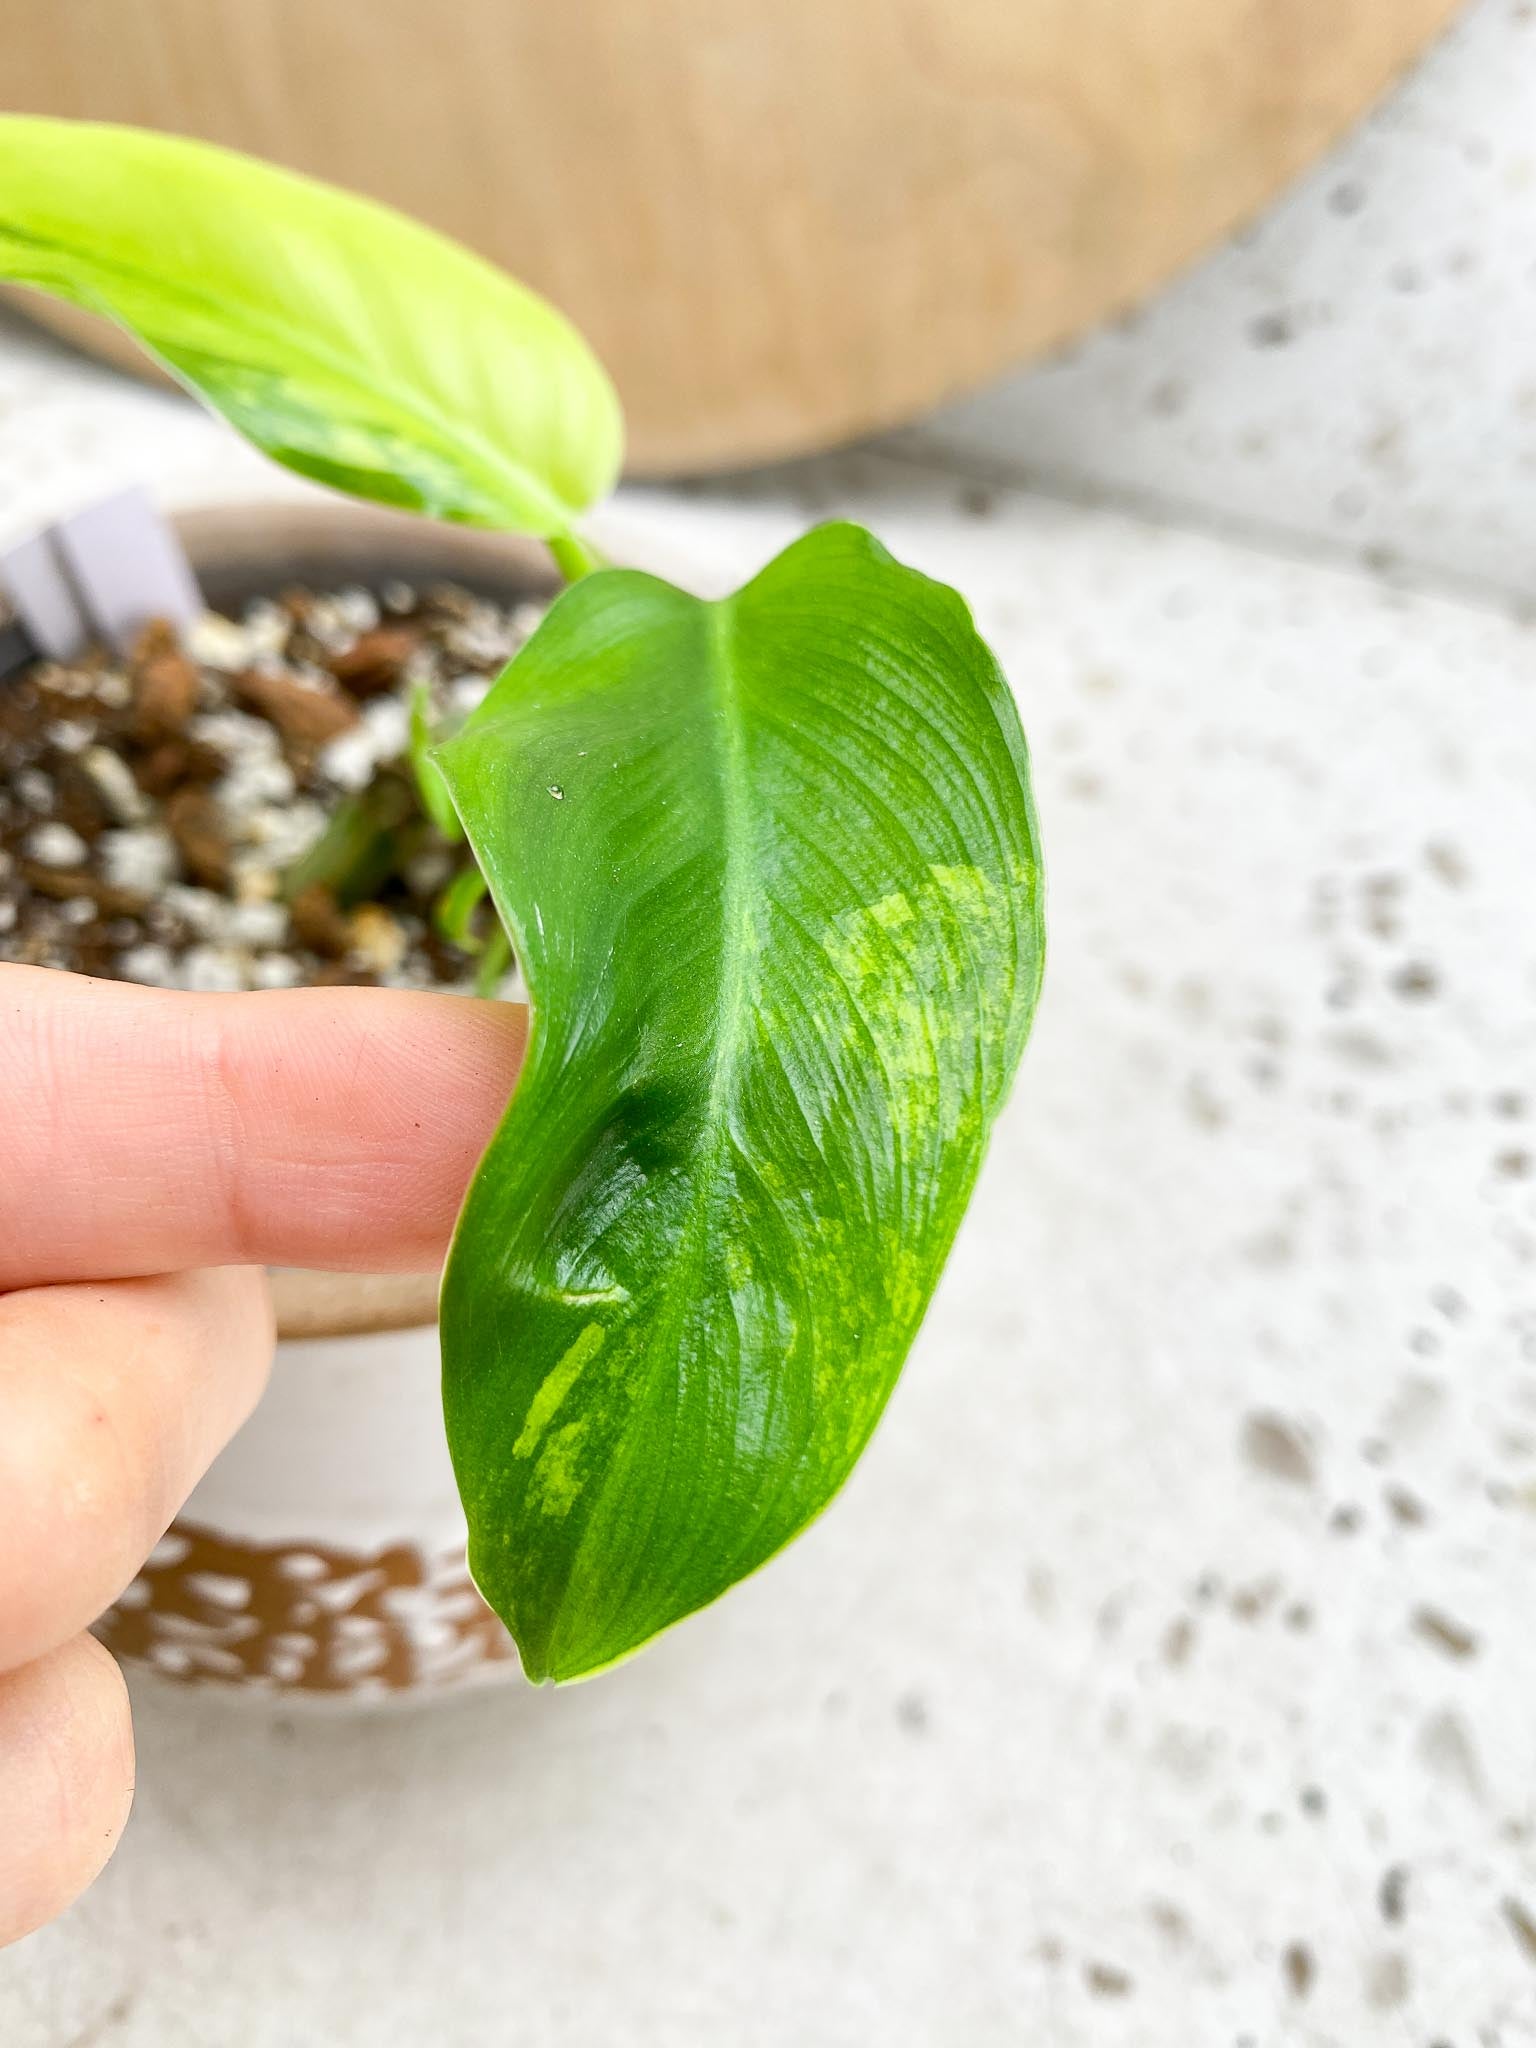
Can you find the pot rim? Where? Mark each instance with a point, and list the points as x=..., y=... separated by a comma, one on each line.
x=230, y=543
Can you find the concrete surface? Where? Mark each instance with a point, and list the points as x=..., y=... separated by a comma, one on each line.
x=1164, y=1677
x=1355, y=370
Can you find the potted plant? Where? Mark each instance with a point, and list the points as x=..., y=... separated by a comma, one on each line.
x=768, y=866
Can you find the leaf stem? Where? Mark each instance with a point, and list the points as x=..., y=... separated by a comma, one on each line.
x=494, y=962
x=454, y=910
x=573, y=558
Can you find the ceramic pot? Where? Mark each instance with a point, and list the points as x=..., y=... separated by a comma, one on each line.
x=322, y=1557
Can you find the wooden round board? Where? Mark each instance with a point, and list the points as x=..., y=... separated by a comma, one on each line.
x=781, y=222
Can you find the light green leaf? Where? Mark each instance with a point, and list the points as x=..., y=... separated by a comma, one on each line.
x=770, y=867
x=346, y=341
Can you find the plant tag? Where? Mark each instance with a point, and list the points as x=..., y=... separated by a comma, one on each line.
x=33, y=578
x=124, y=559
x=16, y=648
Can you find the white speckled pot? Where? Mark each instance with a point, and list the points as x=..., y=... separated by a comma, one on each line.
x=323, y=1555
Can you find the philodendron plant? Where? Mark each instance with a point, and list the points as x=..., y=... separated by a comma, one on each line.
x=769, y=864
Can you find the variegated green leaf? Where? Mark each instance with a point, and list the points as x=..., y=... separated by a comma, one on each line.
x=771, y=869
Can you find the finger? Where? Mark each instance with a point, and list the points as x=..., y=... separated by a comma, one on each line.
x=66, y=1780
x=145, y=1132
x=114, y=1400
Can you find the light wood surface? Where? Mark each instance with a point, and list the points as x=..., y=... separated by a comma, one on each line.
x=781, y=222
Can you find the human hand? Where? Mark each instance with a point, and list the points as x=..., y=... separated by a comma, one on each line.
x=156, y=1151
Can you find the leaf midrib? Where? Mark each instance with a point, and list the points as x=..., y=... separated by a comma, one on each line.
x=737, y=920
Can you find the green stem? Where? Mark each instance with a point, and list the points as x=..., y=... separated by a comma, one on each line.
x=494, y=962
x=454, y=910
x=573, y=558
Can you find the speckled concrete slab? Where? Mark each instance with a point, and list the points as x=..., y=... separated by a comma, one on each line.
x=1164, y=1676
x=1356, y=370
